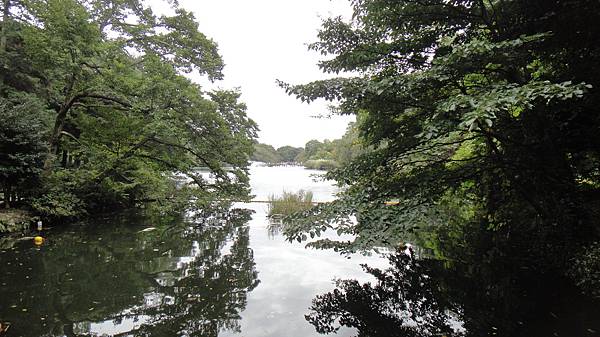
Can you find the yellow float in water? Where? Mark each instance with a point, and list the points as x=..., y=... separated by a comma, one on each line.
x=38, y=240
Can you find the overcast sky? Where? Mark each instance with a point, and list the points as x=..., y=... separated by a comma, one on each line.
x=264, y=40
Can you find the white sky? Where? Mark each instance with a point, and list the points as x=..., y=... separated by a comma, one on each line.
x=264, y=40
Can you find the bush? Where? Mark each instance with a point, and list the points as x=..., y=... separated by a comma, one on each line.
x=290, y=202
x=59, y=196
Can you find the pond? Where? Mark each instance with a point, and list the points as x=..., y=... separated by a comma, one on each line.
x=231, y=274
x=224, y=275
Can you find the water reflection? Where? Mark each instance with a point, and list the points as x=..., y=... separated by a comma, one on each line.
x=112, y=278
x=274, y=226
x=427, y=297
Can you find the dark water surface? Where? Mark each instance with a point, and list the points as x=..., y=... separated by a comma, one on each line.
x=224, y=275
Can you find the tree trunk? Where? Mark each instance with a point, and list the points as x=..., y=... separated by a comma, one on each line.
x=3, y=38
x=7, y=189
x=5, y=17
x=65, y=158
x=59, y=124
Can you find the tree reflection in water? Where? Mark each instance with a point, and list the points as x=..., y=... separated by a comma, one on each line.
x=429, y=297
x=186, y=279
x=405, y=301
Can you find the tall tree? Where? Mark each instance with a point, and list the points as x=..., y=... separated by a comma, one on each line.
x=126, y=122
x=289, y=153
x=487, y=102
x=23, y=129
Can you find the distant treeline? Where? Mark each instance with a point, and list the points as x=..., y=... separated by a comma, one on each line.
x=315, y=154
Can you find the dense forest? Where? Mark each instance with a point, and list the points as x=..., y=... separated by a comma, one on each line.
x=97, y=113
x=482, y=122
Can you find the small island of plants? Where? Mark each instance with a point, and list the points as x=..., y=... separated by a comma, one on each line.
x=290, y=203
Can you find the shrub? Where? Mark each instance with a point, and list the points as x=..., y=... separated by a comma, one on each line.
x=58, y=204
x=59, y=195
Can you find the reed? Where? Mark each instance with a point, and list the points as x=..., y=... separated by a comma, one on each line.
x=321, y=164
x=290, y=202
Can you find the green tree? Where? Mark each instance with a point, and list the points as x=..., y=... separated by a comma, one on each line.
x=289, y=153
x=488, y=102
x=265, y=153
x=311, y=148
x=127, y=125
x=348, y=147
x=23, y=128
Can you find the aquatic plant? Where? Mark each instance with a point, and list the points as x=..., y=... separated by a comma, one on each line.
x=290, y=202
x=321, y=164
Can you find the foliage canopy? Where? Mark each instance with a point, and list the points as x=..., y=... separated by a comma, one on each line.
x=125, y=125
x=481, y=112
